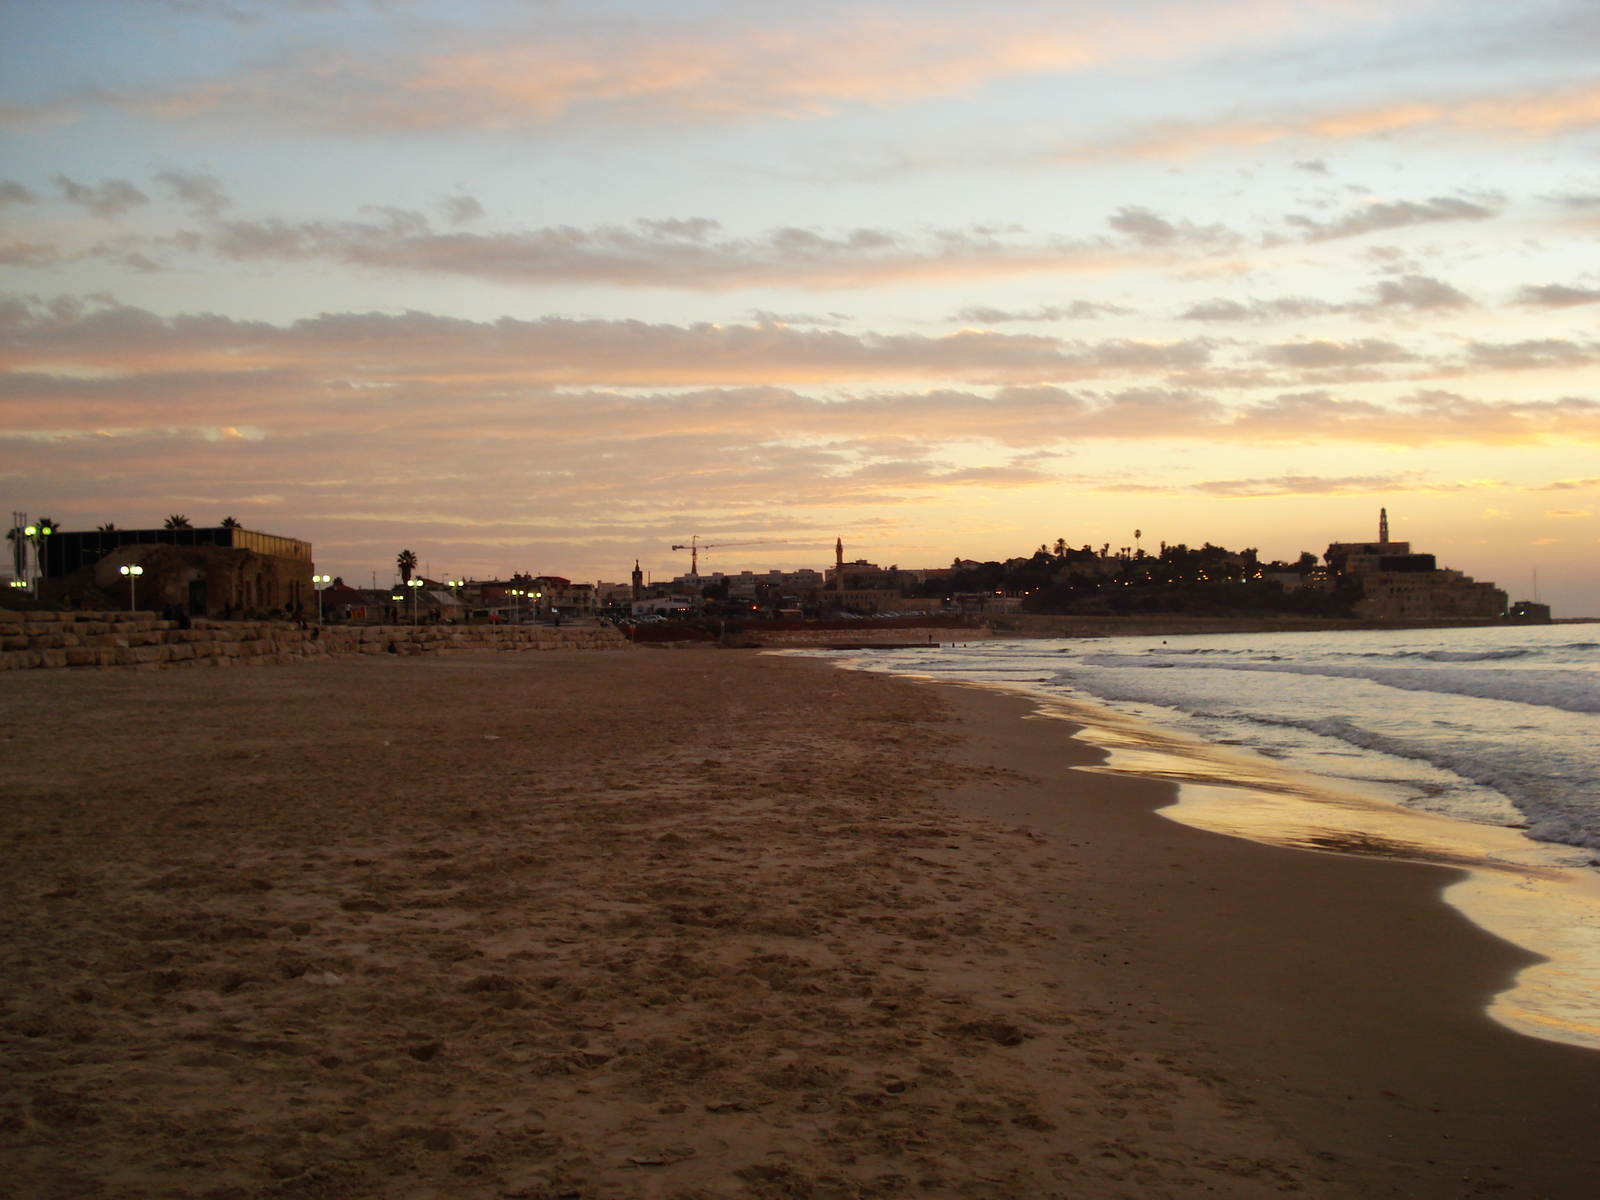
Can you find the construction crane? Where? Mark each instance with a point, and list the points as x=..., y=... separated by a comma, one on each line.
x=694, y=547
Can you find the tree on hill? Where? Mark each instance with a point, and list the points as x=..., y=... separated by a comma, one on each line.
x=231, y=523
x=407, y=562
x=108, y=527
x=177, y=521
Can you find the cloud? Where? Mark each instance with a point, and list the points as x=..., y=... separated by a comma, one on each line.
x=29, y=254
x=538, y=387
x=1078, y=310
x=1420, y=293
x=1318, y=485
x=763, y=317
x=689, y=253
x=203, y=193
x=554, y=350
x=12, y=192
x=1572, y=485
x=1321, y=352
x=111, y=198
x=1556, y=295
x=1529, y=116
x=1153, y=231
x=460, y=210
x=1314, y=166
x=679, y=70
x=1281, y=308
x=1534, y=354
x=1377, y=216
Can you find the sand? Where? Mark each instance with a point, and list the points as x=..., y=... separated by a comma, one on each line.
x=706, y=923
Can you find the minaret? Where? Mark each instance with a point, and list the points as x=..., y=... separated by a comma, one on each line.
x=638, y=581
x=1383, y=524
x=838, y=564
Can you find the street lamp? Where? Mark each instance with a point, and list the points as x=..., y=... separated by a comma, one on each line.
x=318, y=582
x=413, y=584
x=38, y=533
x=519, y=594
x=133, y=574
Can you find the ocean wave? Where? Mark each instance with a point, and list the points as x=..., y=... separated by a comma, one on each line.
x=1541, y=801
x=1569, y=691
x=1453, y=656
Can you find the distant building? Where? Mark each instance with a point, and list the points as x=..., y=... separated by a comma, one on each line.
x=207, y=571
x=1397, y=585
x=1530, y=612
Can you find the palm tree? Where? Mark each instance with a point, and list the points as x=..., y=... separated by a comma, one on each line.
x=231, y=523
x=108, y=527
x=177, y=521
x=407, y=562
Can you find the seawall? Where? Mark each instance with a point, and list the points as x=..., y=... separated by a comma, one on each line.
x=44, y=640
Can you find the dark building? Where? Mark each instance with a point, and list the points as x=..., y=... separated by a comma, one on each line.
x=204, y=571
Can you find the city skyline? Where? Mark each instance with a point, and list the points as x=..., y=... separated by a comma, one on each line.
x=552, y=287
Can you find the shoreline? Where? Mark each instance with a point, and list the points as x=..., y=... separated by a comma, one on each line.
x=496, y=926
x=1543, y=896
x=1351, y=991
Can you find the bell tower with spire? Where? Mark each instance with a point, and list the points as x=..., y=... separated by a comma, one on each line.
x=1383, y=525
x=638, y=581
x=838, y=564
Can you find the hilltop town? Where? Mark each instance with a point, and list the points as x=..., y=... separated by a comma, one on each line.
x=228, y=571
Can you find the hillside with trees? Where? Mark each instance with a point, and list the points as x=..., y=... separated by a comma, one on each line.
x=1208, y=581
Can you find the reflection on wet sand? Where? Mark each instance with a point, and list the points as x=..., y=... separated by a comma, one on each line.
x=1543, y=897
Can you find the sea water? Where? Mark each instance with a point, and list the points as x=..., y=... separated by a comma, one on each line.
x=1476, y=747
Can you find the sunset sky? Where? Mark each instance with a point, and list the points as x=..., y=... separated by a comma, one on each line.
x=548, y=286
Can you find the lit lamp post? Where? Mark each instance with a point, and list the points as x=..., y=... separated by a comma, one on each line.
x=38, y=533
x=413, y=584
x=519, y=594
x=133, y=574
x=318, y=582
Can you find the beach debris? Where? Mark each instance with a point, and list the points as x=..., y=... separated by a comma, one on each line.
x=491, y=737
x=326, y=979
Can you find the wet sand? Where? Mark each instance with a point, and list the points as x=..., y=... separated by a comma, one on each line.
x=700, y=924
x=1341, y=993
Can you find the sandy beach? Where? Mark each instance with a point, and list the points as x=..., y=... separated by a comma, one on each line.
x=707, y=923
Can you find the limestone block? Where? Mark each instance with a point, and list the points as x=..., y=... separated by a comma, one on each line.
x=183, y=650
x=83, y=656
x=35, y=618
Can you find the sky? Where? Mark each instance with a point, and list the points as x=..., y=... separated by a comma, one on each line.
x=529, y=285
